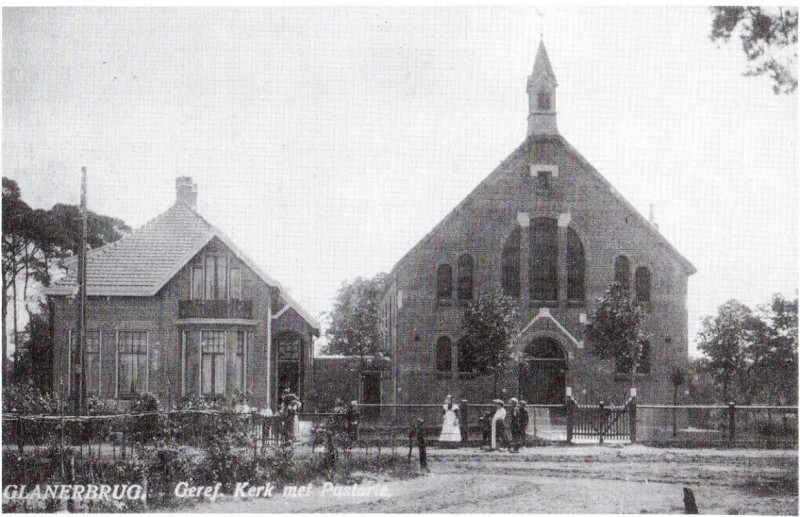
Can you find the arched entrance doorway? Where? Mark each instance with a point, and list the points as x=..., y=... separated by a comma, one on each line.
x=542, y=375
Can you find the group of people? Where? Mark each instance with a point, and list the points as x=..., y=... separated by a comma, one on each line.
x=493, y=425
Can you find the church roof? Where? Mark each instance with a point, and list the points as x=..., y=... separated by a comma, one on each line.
x=542, y=64
x=141, y=263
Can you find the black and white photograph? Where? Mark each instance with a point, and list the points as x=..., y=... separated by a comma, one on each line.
x=430, y=259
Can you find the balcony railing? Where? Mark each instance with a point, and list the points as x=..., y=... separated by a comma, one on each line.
x=215, y=309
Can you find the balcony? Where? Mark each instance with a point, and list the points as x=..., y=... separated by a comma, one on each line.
x=215, y=309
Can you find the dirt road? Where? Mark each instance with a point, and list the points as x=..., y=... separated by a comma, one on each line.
x=582, y=479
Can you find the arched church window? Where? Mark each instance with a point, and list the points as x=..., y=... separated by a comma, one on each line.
x=576, y=266
x=643, y=284
x=622, y=271
x=444, y=282
x=444, y=358
x=511, y=257
x=544, y=101
x=543, y=264
x=465, y=271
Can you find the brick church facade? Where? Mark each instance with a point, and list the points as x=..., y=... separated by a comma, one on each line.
x=548, y=228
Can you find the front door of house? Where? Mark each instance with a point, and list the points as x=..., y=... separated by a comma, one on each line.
x=542, y=376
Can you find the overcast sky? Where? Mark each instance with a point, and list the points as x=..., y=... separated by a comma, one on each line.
x=327, y=141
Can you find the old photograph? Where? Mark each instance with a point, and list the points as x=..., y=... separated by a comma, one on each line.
x=400, y=260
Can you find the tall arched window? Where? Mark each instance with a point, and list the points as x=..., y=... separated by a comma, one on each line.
x=465, y=267
x=511, y=272
x=643, y=284
x=444, y=282
x=543, y=264
x=543, y=100
x=444, y=358
x=622, y=271
x=466, y=356
x=576, y=266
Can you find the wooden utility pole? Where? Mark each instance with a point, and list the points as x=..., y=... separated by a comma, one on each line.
x=81, y=355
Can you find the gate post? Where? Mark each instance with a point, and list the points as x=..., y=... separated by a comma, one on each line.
x=569, y=403
x=465, y=423
x=731, y=423
x=601, y=421
x=632, y=415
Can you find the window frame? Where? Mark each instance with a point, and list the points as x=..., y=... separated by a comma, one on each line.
x=576, y=267
x=543, y=250
x=71, y=349
x=466, y=277
x=444, y=278
x=214, y=355
x=643, y=284
x=511, y=273
x=622, y=266
x=119, y=394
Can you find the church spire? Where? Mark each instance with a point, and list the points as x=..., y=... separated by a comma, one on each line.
x=542, y=96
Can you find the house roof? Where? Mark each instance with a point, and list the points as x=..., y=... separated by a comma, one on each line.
x=141, y=263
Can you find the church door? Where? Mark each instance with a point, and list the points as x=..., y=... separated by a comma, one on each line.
x=542, y=376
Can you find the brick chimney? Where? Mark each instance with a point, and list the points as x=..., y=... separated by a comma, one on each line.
x=186, y=191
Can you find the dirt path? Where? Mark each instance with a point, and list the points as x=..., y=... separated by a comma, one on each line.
x=592, y=479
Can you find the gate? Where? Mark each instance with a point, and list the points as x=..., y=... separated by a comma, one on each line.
x=601, y=422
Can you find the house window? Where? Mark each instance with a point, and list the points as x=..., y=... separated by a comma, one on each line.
x=643, y=284
x=622, y=271
x=444, y=348
x=543, y=264
x=444, y=282
x=241, y=355
x=197, y=282
x=576, y=266
x=216, y=276
x=465, y=269
x=235, y=284
x=93, y=339
x=466, y=356
x=132, y=363
x=511, y=258
x=213, y=362
x=544, y=100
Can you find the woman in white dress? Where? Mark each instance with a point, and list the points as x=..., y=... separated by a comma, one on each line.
x=451, y=433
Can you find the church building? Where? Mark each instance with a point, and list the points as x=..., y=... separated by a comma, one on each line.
x=548, y=228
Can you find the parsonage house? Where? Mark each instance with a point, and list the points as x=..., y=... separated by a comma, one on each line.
x=175, y=309
x=548, y=228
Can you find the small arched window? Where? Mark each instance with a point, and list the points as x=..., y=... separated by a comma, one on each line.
x=643, y=284
x=444, y=282
x=544, y=101
x=466, y=356
x=543, y=263
x=511, y=272
x=465, y=271
x=622, y=271
x=444, y=358
x=576, y=266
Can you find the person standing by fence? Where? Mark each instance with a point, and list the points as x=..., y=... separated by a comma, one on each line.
x=523, y=413
x=451, y=433
x=516, y=424
x=499, y=426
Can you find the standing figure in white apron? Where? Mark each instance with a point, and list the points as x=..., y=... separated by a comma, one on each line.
x=450, y=436
x=499, y=426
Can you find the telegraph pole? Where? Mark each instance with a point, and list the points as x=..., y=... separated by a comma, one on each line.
x=81, y=355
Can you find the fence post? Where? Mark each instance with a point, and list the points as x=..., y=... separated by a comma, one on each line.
x=465, y=423
x=569, y=403
x=731, y=423
x=601, y=421
x=633, y=415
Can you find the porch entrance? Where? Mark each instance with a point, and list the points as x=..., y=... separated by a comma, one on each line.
x=542, y=376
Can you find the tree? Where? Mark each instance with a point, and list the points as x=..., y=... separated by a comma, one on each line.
x=727, y=341
x=34, y=241
x=491, y=327
x=616, y=329
x=775, y=351
x=769, y=40
x=354, y=328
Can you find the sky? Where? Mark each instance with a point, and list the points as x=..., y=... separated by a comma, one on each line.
x=326, y=142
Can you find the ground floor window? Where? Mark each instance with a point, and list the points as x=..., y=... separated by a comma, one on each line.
x=132, y=363
x=93, y=339
x=213, y=362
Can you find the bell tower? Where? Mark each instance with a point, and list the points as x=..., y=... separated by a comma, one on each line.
x=542, y=96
